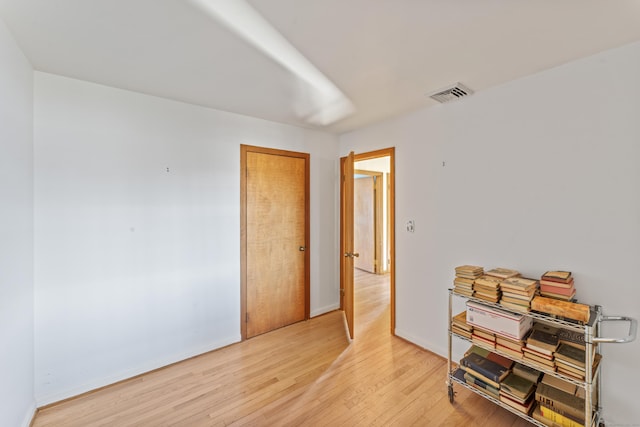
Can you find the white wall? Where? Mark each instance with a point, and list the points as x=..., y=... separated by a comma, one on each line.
x=137, y=224
x=541, y=173
x=16, y=234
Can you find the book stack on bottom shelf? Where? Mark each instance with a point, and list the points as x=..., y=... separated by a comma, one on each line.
x=518, y=392
x=546, y=398
x=484, y=370
x=560, y=401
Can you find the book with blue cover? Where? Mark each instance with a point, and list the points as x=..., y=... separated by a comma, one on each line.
x=486, y=367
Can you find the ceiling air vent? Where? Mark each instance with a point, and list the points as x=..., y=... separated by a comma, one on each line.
x=451, y=93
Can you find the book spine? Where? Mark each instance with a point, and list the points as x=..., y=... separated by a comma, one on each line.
x=559, y=407
x=571, y=310
x=488, y=391
x=520, y=407
x=481, y=370
x=481, y=377
x=558, y=418
x=556, y=290
x=576, y=340
x=470, y=379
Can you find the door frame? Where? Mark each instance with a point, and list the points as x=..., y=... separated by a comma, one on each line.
x=385, y=152
x=244, y=149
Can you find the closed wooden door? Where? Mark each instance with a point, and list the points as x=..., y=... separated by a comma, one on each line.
x=275, y=239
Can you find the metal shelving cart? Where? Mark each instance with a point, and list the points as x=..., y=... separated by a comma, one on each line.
x=592, y=337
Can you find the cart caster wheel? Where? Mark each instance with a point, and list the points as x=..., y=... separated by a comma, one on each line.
x=451, y=394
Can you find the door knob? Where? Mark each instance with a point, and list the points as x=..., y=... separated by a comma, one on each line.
x=351, y=255
x=302, y=248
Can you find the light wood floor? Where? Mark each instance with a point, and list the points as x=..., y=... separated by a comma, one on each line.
x=305, y=374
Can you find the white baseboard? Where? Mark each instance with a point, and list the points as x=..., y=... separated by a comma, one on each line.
x=28, y=417
x=326, y=309
x=439, y=350
x=129, y=373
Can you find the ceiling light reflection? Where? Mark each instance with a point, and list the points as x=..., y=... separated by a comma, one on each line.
x=324, y=103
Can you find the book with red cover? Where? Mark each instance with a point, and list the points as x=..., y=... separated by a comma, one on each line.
x=500, y=360
x=568, y=284
x=557, y=290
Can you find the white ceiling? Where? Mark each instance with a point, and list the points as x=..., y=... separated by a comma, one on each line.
x=385, y=55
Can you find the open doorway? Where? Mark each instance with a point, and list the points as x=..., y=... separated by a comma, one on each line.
x=371, y=214
x=373, y=230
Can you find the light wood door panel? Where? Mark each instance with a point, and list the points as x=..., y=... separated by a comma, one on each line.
x=276, y=233
x=346, y=240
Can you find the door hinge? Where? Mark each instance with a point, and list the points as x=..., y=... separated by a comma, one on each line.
x=246, y=317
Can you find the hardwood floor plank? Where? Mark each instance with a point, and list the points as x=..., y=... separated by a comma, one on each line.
x=304, y=374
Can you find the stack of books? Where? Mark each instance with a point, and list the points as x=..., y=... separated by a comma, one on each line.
x=460, y=326
x=553, y=419
x=484, y=370
x=571, y=354
x=465, y=277
x=527, y=372
x=483, y=337
x=478, y=384
x=557, y=284
x=502, y=273
x=511, y=346
x=559, y=402
x=518, y=392
x=541, y=345
x=487, y=288
x=571, y=337
x=517, y=293
x=570, y=361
